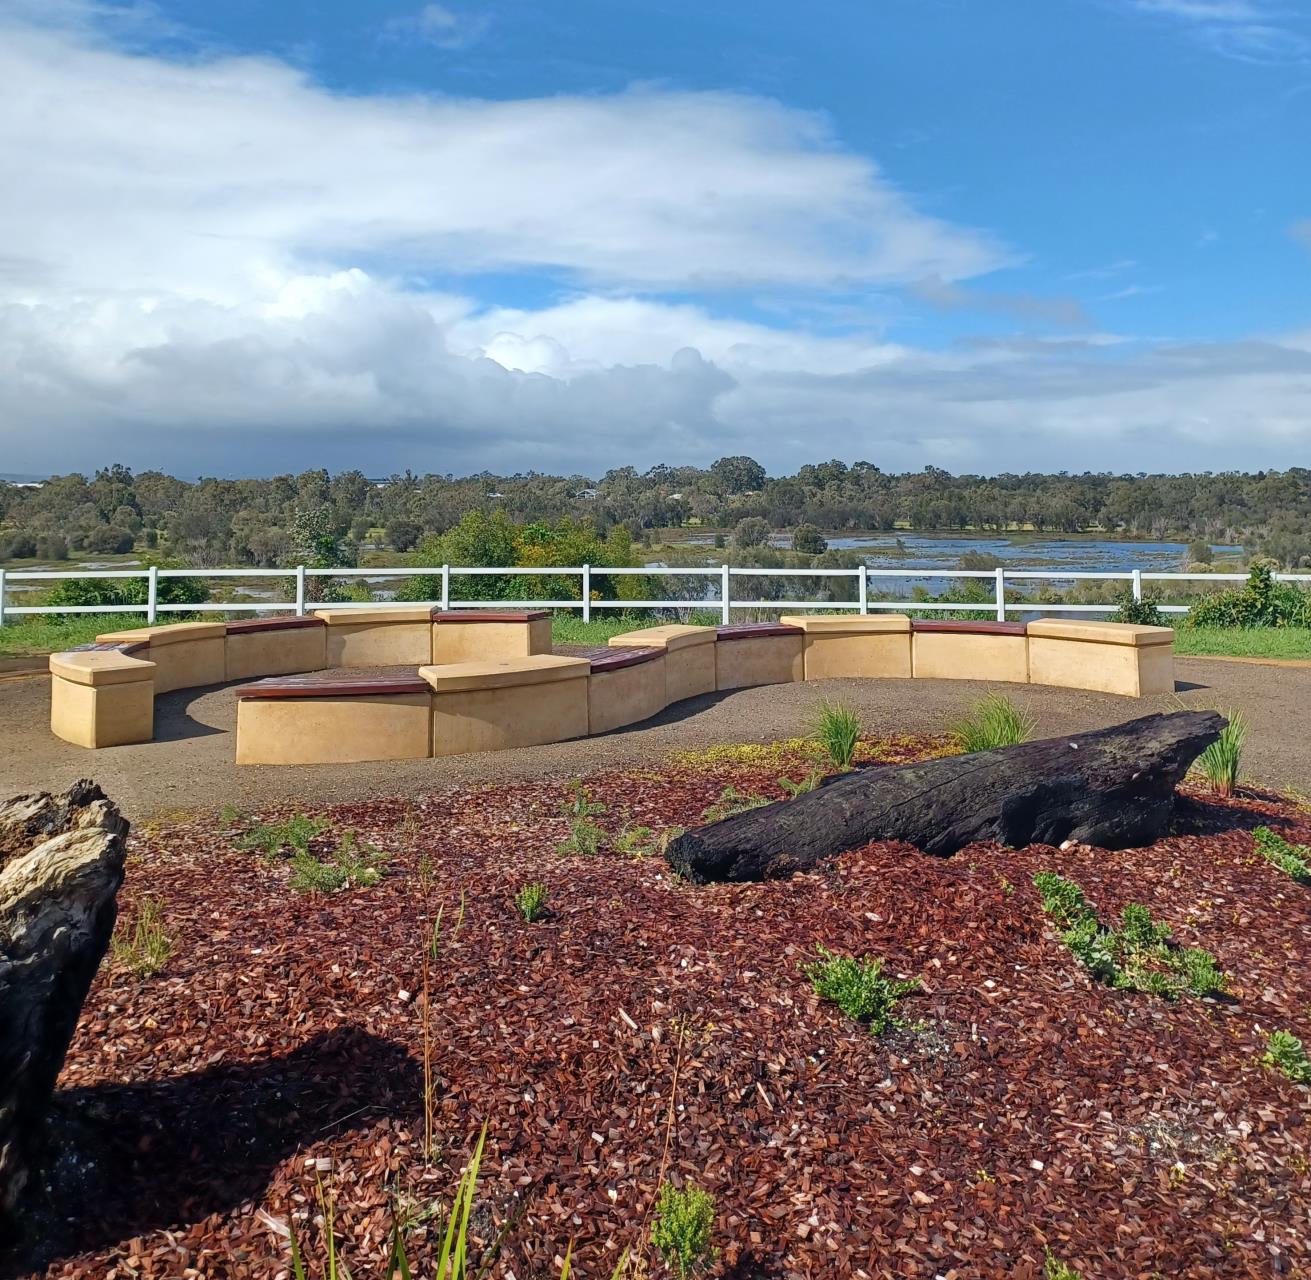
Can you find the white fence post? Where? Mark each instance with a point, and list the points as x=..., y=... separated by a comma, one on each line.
x=1001, y=594
x=864, y=590
x=152, y=595
x=726, y=598
x=2, y=597
x=446, y=587
x=300, y=588
x=587, y=593
x=1137, y=584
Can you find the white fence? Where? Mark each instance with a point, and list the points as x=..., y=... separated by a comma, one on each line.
x=723, y=600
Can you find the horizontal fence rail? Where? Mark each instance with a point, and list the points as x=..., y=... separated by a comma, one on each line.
x=721, y=576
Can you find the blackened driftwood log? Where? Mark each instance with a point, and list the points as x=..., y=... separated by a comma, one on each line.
x=1112, y=788
x=61, y=864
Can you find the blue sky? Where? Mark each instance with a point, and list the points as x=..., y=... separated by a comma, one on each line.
x=572, y=235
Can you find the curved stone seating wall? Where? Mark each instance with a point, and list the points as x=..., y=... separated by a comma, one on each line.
x=488, y=681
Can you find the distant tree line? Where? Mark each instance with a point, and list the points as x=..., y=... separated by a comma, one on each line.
x=271, y=522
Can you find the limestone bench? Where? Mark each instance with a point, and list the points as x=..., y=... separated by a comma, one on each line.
x=854, y=644
x=484, y=681
x=626, y=685
x=751, y=653
x=689, y=657
x=948, y=650
x=1113, y=657
x=185, y=654
x=519, y=702
x=274, y=647
x=402, y=637
x=102, y=695
x=313, y=719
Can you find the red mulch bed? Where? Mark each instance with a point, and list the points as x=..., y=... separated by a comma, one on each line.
x=1029, y=1108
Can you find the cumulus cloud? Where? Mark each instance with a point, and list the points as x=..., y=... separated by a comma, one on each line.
x=218, y=177
x=216, y=265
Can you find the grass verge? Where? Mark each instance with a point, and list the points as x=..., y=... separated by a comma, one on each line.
x=1243, y=642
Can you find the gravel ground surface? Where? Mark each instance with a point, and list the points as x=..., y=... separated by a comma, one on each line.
x=190, y=764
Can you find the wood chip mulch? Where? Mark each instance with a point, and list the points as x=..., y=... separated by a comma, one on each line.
x=649, y=1029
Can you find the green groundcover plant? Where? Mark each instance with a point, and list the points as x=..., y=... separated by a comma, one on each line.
x=1137, y=956
x=1292, y=859
x=858, y=988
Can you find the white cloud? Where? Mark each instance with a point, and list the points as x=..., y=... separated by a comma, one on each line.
x=219, y=178
x=1248, y=30
x=217, y=265
x=437, y=25
x=1301, y=232
x=947, y=296
x=1204, y=10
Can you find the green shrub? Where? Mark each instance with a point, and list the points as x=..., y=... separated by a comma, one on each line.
x=1285, y=1053
x=1139, y=956
x=1142, y=613
x=1291, y=859
x=858, y=987
x=1218, y=764
x=1261, y=602
x=144, y=951
x=531, y=901
x=731, y=802
x=683, y=1229
x=272, y=838
x=97, y=592
x=993, y=721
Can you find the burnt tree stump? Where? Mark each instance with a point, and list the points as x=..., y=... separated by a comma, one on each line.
x=61, y=865
x=1113, y=788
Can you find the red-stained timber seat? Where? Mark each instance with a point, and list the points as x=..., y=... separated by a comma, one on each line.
x=331, y=684
x=955, y=627
x=255, y=626
x=755, y=630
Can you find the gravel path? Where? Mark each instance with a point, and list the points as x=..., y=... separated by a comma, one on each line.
x=190, y=764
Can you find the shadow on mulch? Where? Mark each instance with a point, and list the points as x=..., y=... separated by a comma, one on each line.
x=129, y=1159
x=1197, y=816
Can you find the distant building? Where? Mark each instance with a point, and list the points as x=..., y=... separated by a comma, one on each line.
x=585, y=493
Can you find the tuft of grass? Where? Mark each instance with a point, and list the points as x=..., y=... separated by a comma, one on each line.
x=683, y=1229
x=1285, y=1053
x=836, y=729
x=351, y=865
x=1291, y=859
x=731, y=802
x=530, y=901
x=274, y=838
x=146, y=950
x=808, y=783
x=858, y=988
x=1138, y=956
x=1218, y=764
x=993, y=721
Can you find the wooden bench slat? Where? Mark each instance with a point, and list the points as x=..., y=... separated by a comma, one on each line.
x=754, y=630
